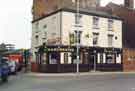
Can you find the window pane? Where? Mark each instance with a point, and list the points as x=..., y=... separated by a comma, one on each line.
x=110, y=24
x=101, y=58
x=95, y=22
x=37, y=39
x=72, y=38
x=110, y=59
x=95, y=39
x=110, y=40
x=66, y=58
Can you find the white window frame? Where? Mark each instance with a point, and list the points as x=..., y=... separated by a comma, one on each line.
x=110, y=24
x=96, y=22
x=36, y=39
x=95, y=37
x=110, y=41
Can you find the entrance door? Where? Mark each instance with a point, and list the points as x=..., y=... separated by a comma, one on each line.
x=91, y=61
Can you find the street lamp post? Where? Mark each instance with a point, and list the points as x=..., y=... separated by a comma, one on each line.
x=94, y=63
x=77, y=35
x=94, y=59
x=77, y=52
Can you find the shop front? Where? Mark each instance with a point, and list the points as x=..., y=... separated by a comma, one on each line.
x=58, y=59
x=103, y=59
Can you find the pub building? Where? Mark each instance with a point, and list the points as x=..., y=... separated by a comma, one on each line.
x=58, y=59
x=54, y=41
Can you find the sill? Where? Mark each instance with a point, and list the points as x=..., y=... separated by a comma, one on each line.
x=36, y=32
x=96, y=28
x=110, y=29
x=95, y=46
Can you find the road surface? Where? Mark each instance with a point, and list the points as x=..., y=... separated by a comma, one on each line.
x=115, y=82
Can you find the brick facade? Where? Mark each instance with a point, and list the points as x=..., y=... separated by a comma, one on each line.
x=44, y=7
x=129, y=59
x=129, y=3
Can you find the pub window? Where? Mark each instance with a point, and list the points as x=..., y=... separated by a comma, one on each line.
x=72, y=38
x=101, y=58
x=95, y=22
x=110, y=24
x=65, y=58
x=110, y=40
x=37, y=39
x=110, y=59
x=95, y=39
x=45, y=26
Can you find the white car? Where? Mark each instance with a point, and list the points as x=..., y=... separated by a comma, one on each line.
x=12, y=65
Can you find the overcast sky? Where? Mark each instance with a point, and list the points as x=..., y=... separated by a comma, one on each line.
x=15, y=21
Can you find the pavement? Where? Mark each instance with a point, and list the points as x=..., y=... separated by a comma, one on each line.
x=33, y=74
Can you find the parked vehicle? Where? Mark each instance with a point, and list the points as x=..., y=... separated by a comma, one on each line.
x=18, y=58
x=13, y=67
x=4, y=70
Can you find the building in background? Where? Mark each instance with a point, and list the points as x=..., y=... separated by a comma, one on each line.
x=5, y=48
x=42, y=8
x=129, y=59
x=127, y=13
x=54, y=40
x=129, y=4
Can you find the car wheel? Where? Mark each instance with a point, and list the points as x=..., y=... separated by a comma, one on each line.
x=4, y=78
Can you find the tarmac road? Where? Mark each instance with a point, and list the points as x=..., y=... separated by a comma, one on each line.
x=109, y=82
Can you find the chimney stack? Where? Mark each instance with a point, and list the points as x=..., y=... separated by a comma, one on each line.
x=129, y=3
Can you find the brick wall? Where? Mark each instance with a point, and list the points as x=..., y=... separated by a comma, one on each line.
x=129, y=59
x=44, y=7
x=129, y=3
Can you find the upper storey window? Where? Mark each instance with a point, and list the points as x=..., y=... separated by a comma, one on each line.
x=110, y=24
x=37, y=27
x=96, y=22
